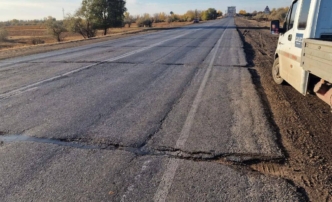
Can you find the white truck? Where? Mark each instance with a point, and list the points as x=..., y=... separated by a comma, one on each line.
x=304, y=52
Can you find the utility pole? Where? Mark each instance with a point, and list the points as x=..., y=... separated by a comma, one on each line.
x=63, y=13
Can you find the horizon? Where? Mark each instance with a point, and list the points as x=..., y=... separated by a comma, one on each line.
x=22, y=10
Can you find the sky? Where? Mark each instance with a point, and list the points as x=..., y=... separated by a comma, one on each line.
x=38, y=9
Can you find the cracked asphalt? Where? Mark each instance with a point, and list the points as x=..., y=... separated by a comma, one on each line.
x=165, y=116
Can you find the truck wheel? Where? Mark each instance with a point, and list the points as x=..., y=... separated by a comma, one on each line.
x=275, y=72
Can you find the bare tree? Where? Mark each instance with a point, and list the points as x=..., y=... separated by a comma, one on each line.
x=77, y=24
x=55, y=28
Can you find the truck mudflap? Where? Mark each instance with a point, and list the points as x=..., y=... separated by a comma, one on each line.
x=324, y=91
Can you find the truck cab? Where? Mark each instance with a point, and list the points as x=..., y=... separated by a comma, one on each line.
x=306, y=19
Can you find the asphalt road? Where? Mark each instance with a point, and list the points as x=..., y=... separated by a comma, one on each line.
x=165, y=116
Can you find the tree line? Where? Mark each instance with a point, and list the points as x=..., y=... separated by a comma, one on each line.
x=105, y=14
x=16, y=22
x=275, y=14
x=146, y=20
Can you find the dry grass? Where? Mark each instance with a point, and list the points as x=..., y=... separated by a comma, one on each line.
x=26, y=35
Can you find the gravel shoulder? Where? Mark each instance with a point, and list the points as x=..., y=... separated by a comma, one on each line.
x=303, y=123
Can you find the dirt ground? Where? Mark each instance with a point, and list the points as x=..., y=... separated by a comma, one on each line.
x=41, y=48
x=302, y=123
x=23, y=35
x=29, y=35
x=20, y=39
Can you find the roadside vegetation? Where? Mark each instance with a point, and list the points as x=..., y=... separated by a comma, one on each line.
x=56, y=28
x=275, y=14
x=146, y=20
x=3, y=34
x=93, y=18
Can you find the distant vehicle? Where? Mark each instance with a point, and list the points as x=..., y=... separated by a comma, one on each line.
x=196, y=21
x=304, y=52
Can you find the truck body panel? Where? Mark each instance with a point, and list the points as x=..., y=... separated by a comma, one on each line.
x=290, y=47
x=317, y=58
x=305, y=47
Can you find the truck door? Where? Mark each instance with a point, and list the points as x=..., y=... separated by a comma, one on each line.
x=286, y=42
x=290, y=45
x=297, y=77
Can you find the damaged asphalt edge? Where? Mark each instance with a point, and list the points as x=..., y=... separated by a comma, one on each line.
x=262, y=95
x=250, y=55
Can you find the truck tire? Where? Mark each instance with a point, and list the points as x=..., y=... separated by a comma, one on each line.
x=275, y=72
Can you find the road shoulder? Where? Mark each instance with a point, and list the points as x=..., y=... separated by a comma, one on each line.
x=303, y=123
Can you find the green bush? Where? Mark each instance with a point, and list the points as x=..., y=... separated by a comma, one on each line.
x=209, y=14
